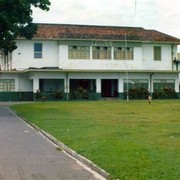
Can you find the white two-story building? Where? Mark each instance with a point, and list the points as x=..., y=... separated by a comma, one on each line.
x=105, y=61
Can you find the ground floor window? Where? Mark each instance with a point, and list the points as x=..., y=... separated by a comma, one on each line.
x=87, y=84
x=163, y=83
x=164, y=88
x=136, y=88
x=51, y=85
x=82, y=88
x=7, y=85
x=50, y=89
x=135, y=83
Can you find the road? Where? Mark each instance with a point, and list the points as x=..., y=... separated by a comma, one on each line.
x=26, y=155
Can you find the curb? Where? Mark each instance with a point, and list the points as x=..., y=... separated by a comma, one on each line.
x=69, y=151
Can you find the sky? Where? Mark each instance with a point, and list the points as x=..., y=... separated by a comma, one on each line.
x=160, y=15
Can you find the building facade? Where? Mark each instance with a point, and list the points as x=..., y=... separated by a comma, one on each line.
x=89, y=62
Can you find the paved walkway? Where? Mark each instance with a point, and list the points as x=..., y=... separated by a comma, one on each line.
x=27, y=155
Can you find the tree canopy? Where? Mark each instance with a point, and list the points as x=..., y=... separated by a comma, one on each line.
x=16, y=20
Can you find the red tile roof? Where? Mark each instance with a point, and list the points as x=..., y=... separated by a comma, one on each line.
x=89, y=32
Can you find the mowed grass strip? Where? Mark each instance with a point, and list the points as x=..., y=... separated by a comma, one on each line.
x=130, y=140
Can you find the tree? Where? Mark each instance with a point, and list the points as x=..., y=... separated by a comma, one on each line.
x=16, y=20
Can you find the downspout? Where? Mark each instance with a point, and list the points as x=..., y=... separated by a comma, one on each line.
x=151, y=83
x=67, y=86
x=172, y=54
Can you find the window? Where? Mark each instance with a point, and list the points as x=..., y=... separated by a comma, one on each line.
x=38, y=50
x=136, y=83
x=121, y=53
x=79, y=52
x=7, y=85
x=157, y=53
x=163, y=83
x=101, y=52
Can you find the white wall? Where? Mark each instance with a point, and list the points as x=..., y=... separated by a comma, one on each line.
x=143, y=60
x=22, y=81
x=56, y=55
x=148, y=59
x=35, y=76
x=122, y=76
x=23, y=56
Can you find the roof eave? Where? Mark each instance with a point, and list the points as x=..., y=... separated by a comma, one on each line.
x=113, y=40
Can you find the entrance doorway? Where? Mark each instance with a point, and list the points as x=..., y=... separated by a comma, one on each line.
x=51, y=85
x=109, y=88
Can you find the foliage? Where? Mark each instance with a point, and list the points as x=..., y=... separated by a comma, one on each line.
x=52, y=95
x=165, y=93
x=79, y=93
x=58, y=94
x=138, y=93
x=38, y=95
x=130, y=140
x=16, y=20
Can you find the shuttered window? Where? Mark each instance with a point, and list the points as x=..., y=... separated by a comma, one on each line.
x=157, y=53
x=7, y=85
x=101, y=52
x=79, y=52
x=121, y=53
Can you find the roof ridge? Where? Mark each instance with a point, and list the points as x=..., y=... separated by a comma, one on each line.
x=88, y=25
x=101, y=32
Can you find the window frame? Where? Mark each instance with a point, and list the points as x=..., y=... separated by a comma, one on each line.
x=78, y=52
x=101, y=52
x=163, y=83
x=38, y=50
x=157, y=53
x=7, y=85
x=122, y=53
x=138, y=83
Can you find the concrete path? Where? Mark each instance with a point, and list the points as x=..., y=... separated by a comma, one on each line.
x=27, y=155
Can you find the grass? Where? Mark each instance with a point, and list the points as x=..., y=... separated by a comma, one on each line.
x=130, y=140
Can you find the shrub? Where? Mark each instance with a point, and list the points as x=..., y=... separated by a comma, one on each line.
x=138, y=93
x=165, y=93
x=79, y=93
x=38, y=95
x=58, y=95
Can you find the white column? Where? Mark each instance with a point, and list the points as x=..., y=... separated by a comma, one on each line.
x=112, y=53
x=66, y=84
x=91, y=53
x=35, y=85
x=120, y=84
x=177, y=84
x=98, y=85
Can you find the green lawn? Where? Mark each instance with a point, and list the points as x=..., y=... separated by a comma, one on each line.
x=130, y=140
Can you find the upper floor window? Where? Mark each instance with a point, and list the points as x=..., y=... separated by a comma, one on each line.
x=37, y=50
x=121, y=53
x=101, y=52
x=157, y=53
x=79, y=52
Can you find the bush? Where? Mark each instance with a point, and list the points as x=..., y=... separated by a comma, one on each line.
x=79, y=93
x=165, y=93
x=58, y=95
x=138, y=93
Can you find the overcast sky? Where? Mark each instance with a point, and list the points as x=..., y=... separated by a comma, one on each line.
x=161, y=15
